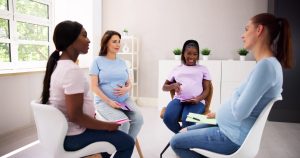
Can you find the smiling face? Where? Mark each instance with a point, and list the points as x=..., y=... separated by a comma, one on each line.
x=250, y=35
x=113, y=44
x=190, y=56
x=81, y=44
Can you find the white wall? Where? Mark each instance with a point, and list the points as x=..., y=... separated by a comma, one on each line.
x=17, y=90
x=163, y=25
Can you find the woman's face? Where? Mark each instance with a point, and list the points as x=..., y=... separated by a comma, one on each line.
x=113, y=44
x=81, y=44
x=249, y=37
x=191, y=56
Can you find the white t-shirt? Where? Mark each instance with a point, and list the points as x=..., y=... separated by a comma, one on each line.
x=68, y=78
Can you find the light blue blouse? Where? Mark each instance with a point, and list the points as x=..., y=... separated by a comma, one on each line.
x=112, y=73
x=238, y=114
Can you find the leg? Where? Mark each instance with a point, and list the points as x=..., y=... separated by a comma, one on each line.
x=112, y=114
x=187, y=108
x=136, y=118
x=172, y=115
x=89, y=136
x=209, y=138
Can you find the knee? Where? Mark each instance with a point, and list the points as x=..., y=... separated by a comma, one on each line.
x=169, y=119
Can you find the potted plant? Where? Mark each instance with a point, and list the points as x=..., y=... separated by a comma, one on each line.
x=243, y=52
x=177, y=53
x=125, y=32
x=205, y=53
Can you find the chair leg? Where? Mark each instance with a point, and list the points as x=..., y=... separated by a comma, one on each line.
x=138, y=148
x=164, y=150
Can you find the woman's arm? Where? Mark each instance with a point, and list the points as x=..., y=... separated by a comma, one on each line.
x=205, y=92
x=122, y=90
x=95, y=88
x=168, y=86
x=74, y=103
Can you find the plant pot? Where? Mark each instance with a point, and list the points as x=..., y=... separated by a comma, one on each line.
x=177, y=57
x=242, y=58
x=205, y=57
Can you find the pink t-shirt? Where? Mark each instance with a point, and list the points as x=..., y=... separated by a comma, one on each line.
x=68, y=78
x=191, y=78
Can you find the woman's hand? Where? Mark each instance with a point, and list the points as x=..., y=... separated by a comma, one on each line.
x=111, y=126
x=121, y=90
x=211, y=115
x=114, y=104
x=176, y=87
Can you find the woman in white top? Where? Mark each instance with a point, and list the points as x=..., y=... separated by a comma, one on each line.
x=66, y=88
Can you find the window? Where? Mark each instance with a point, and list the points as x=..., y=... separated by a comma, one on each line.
x=25, y=27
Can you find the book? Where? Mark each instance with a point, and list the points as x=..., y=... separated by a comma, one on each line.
x=121, y=121
x=199, y=118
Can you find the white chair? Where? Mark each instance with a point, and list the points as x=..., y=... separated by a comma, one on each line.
x=251, y=144
x=52, y=128
x=137, y=144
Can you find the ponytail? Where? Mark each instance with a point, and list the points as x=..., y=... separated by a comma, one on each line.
x=51, y=64
x=283, y=51
x=279, y=37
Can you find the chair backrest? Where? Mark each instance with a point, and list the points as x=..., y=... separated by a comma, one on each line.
x=250, y=147
x=51, y=127
x=207, y=101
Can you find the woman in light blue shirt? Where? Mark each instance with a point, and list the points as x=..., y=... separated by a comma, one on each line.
x=268, y=38
x=111, y=85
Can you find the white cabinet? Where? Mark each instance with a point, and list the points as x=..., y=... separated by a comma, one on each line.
x=165, y=67
x=226, y=76
x=233, y=74
x=129, y=52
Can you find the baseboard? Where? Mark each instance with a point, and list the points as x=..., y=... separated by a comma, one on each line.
x=147, y=101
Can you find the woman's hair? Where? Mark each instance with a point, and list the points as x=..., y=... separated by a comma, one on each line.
x=65, y=33
x=104, y=41
x=189, y=44
x=279, y=37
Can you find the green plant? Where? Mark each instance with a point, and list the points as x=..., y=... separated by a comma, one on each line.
x=125, y=30
x=177, y=51
x=243, y=51
x=205, y=51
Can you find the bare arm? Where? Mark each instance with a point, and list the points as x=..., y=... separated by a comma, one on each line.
x=168, y=86
x=74, y=103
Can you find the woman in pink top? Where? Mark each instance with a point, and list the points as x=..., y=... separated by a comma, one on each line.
x=66, y=88
x=191, y=84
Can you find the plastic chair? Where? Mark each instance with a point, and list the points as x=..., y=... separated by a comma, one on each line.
x=137, y=144
x=250, y=146
x=52, y=128
x=207, y=110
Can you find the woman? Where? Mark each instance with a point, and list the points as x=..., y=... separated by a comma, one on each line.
x=190, y=81
x=66, y=87
x=111, y=85
x=268, y=38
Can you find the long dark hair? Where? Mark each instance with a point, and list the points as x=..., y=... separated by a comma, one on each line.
x=189, y=43
x=65, y=33
x=104, y=41
x=279, y=37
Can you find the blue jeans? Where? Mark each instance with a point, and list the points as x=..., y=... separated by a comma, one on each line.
x=133, y=127
x=176, y=110
x=203, y=136
x=122, y=142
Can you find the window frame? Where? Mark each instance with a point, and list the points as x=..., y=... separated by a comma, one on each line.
x=13, y=17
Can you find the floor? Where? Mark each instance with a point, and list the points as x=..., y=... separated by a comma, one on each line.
x=279, y=140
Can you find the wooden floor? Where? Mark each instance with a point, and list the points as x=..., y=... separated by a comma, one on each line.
x=280, y=140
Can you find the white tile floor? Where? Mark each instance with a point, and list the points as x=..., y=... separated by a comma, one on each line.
x=280, y=140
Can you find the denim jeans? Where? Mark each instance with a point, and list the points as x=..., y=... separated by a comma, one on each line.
x=122, y=141
x=203, y=136
x=133, y=127
x=176, y=110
